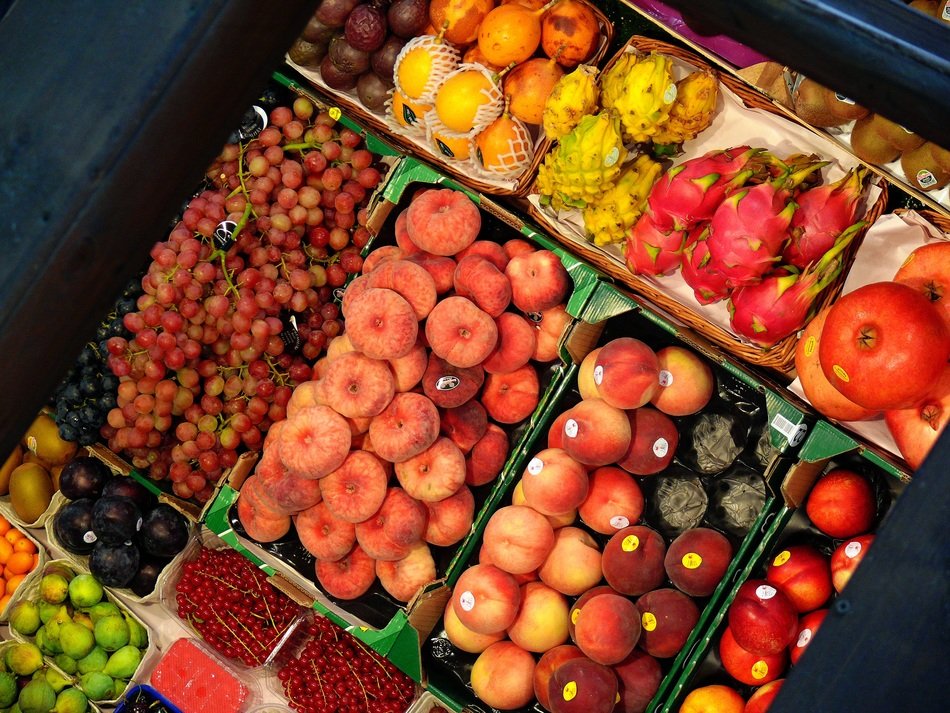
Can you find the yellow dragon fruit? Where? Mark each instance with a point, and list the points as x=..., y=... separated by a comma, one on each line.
x=616, y=209
x=692, y=111
x=584, y=164
x=574, y=96
x=612, y=80
x=642, y=97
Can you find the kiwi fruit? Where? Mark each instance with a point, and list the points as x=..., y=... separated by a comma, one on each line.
x=941, y=156
x=844, y=108
x=810, y=103
x=922, y=171
x=870, y=146
x=895, y=134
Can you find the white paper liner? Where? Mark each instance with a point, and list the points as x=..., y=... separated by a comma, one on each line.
x=887, y=243
x=6, y=508
x=445, y=59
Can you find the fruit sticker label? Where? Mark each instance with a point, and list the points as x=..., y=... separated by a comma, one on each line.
x=598, y=374
x=31, y=444
x=810, y=345
x=467, y=601
x=335, y=113
x=253, y=123
x=570, y=691
x=290, y=336
x=803, y=639
x=612, y=157
x=224, y=234
x=630, y=543
x=843, y=99
x=840, y=373
x=89, y=537
x=781, y=558
x=666, y=378
x=570, y=428
x=660, y=447
x=534, y=316
x=575, y=615
x=764, y=591
x=535, y=466
x=852, y=549
x=692, y=560
x=925, y=178
x=447, y=383
x=618, y=522
x=760, y=670
x=669, y=96
x=648, y=621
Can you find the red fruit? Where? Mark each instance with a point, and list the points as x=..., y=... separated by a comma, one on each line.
x=314, y=442
x=916, y=430
x=746, y=667
x=842, y=504
x=807, y=628
x=927, y=270
x=803, y=574
x=846, y=558
x=762, y=618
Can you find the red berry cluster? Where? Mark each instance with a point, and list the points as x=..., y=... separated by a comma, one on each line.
x=231, y=604
x=337, y=673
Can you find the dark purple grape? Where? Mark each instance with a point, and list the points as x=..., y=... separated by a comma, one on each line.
x=384, y=59
x=407, y=18
x=366, y=28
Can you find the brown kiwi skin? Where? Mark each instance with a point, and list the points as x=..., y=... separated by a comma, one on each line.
x=843, y=109
x=870, y=146
x=809, y=104
x=922, y=158
x=895, y=134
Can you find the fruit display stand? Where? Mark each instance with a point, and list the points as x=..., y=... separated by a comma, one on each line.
x=743, y=117
x=786, y=536
x=612, y=313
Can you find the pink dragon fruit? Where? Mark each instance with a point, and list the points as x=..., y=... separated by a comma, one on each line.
x=779, y=305
x=691, y=192
x=651, y=251
x=823, y=214
x=708, y=284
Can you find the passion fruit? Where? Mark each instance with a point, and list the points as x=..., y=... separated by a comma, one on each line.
x=335, y=78
x=407, y=18
x=347, y=58
x=383, y=60
x=372, y=90
x=366, y=28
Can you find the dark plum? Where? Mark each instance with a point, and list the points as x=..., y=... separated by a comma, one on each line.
x=72, y=526
x=115, y=519
x=164, y=532
x=334, y=78
x=333, y=13
x=366, y=28
x=372, y=91
x=114, y=565
x=84, y=477
x=143, y=583
x=127, y=487
x=407, y=18
x=383, y=60
x=346, y=58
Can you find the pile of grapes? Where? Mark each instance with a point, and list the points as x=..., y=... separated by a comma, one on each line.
x=237, y=302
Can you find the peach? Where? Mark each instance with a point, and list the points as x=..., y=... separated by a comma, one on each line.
x=614, y=501
x=450, y=519
x=846, y=558
x=261, y=524
x=538, y=280
x=607, y=628
x=259, y=499
x=486, y=599
x=714, y=698
x=356, y=490
x=596, y=433
x=408, y=279
x=487, y=457
x=574, y=564
x=512, y=397
x=434, y=474
x=381, y=255
x=808, y=626
x=287, y=491
x=443, y=221
x=503, y=676
x=357, y=386
x=626, y=373
x=639, y=677
x=305, y=395
x=402, y=235
x=352, y=291
x=408, y=369
x=440, y=268
x=484, y=284
x=382, y=324
x=548, y=331
x=585, y=376
x=464, y=638
x=842, y=504
x=652, y=444
x=686, y=382
x=667, y=617
x=746, y=667
x=518, y=539
x=761, y=700
x=449, y=386
x=515, y=347
x=697, y=560
x=322, y=535
x=406, y=427
x=633, y=560
x=359, y=426
x=398, y=524
x=541, y=623
x=465, y=425
x=461, y=333
x=579, y=603
x=560, y=520
x=349, y=577
x=556, y=431
x=314, y=442
x=762, y=618
x=554, y=482
x=547, y=665
x=403, y=578
x=803, y=574
x=582, y=686
x=517, y=246
x=339, y=346
x=491, y=251
x=320, y=367
x=485, y=558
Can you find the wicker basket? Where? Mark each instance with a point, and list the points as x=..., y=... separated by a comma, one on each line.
x=779, y=357
x=515, y=186
x=938, y=219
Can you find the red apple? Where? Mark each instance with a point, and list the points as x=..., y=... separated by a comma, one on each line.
x=686, y=382
x=884, y=345
x=927, y=270
x=762, y=618
x=842, y=504
x=846, y=558
x=807, y=628
x=915, y=430
x=803, y=574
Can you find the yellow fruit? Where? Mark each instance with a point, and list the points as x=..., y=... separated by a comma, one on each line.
x=12, y=461
x=451, y=145
x=467, y=98
x=421, y=66
x=31, y=490
x=510, y=33
x=407, y=113
x=528, y=86
x=505, y=146
x=459, y=18
x=42, y=438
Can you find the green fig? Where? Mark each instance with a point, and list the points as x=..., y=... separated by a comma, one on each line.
x=66, y=663
x=42, y=643
x=24, y=659
x=54, y=588
x=47, y=610
x=81, y=617
x=95, y=661
x=37, y=697
x=85, y=591
x=101, y=610
x=122, y=663
x=25, y=618
x=8, y=689
x=70, y=700
x=77, y=641
x=138, y=636
x=112, y=633
x=119, y=688
x=96, y=685
x=56, y=680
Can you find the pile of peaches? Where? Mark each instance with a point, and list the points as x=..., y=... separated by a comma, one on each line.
x=518, y=601
x=772, y=621
x=407, y=412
